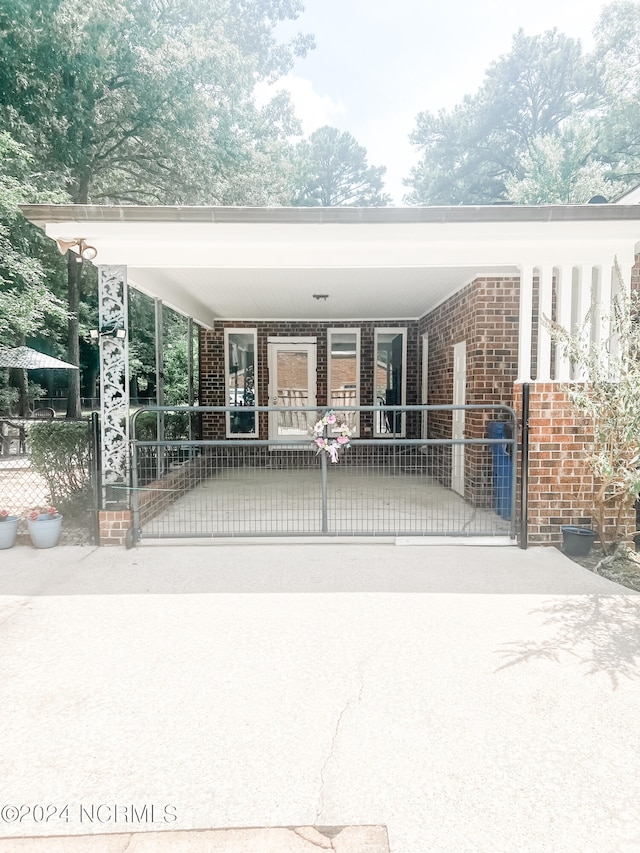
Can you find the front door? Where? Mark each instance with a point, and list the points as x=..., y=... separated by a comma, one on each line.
x=292, y=382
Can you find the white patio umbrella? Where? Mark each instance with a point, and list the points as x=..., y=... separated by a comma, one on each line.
x=31, y=359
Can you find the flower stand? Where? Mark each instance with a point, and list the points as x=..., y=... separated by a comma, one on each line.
x=45, y=530
x=8, y=531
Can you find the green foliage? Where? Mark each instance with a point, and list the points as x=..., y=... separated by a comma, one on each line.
x=27, y=304
x=562, y=168
x=549, y=124
x=60, y=452
x=122, y=101
x=608, y=399
x=333, y=171
x=8, y=395
x=144, y=102
x=617, y=62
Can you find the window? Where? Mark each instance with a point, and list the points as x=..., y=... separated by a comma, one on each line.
x=241, y=380
x=343, y=379
x=390, y=347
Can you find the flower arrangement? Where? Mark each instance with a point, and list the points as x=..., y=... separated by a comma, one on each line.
x=49, y=513
x=331, y=446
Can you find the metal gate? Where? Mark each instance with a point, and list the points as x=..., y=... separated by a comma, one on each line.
x=388, y=486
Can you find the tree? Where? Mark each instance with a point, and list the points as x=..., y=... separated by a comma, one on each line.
x=608, y=400
x=27, y=304
x=334, y=171
x=147, y=102
x=562, y=168
x=468, y=153
x=617, y=60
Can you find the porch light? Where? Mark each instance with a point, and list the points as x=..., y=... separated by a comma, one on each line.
x=108, y=331
x=85, y=251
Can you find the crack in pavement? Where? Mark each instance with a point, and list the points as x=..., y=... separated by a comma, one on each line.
x=314, y=843
x=347, y=705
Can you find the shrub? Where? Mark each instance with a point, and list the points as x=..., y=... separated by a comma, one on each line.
x=608, y=398
x=60, y=452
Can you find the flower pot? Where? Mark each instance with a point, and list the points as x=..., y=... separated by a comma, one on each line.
x=45, y=530
x=8, y=530
x=578, y=540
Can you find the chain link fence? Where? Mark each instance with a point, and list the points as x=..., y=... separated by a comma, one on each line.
x=51, y=462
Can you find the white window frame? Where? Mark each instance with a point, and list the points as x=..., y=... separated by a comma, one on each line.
x=344, y=330
x=227, y=372
x=391, y=330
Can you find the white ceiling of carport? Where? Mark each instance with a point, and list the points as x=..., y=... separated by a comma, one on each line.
x=376, y=263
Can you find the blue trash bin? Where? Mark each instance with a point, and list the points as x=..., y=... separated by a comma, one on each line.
x=502, y=470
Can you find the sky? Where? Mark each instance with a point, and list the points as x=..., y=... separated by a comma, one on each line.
x=378, y=63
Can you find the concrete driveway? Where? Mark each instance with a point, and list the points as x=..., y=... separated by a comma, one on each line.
x=470, y=699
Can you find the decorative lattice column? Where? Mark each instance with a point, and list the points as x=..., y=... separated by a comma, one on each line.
x=114, y=382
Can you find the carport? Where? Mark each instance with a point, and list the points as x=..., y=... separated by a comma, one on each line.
x=286, y=279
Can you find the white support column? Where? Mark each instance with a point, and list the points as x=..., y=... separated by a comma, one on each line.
x=114, y=380
x=564, y=284
x=618, y=284
x=603, y=329
x=582, y=306
x=159, y=342
x=524, y=331
x=545, y=282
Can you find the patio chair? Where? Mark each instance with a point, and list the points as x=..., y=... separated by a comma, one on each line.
x=44, y=412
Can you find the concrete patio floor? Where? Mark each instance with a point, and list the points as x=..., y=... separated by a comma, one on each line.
x=470, y=700
x=255, y=501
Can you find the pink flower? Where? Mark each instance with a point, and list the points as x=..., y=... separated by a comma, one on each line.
x=4, y=514
x=342, y=439
x=51, y=510
x=320, y=442
x=34, y=515
x=331, y=418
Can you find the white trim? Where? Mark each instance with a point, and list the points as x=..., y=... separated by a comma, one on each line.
x=525, y=316
x=274, y=345
x=564, y=286
x=459, y=398
x=292, y=340
x=345, y=330
x=391, y=330
x=545, y=302
x=227, y=371
x=424, y=389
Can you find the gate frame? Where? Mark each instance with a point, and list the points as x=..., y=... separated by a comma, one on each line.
x=515, y=524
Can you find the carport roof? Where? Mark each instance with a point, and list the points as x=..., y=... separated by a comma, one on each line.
x=374, y=263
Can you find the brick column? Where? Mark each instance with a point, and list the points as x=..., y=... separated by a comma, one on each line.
x=561, y=486
x=114, y=525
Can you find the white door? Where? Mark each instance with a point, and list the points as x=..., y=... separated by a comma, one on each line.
x=292, y=382
x=457, y=421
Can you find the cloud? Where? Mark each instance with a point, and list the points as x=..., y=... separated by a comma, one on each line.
x=313, y=109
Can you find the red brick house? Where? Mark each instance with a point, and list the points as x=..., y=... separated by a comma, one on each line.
x=394, y=305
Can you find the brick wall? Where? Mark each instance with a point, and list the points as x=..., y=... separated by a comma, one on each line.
x=485, y=315
x=114, y=526
x=212, y=380
x=560, y=485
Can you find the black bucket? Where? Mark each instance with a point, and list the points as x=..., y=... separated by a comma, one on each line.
x=578, y=540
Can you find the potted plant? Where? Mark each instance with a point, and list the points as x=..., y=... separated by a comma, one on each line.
x=8, y=529
x=44, y=527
